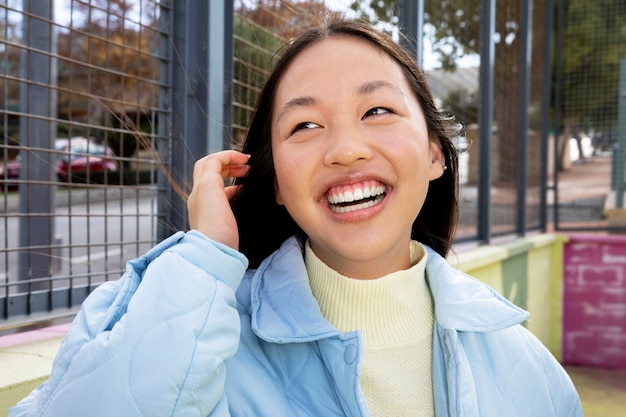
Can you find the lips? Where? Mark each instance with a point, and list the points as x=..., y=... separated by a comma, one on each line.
x=353, y=197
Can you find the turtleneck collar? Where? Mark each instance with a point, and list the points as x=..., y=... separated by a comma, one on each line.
x=392, y=310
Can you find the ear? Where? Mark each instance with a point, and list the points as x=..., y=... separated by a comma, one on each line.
x=437, y=160
x=277, y=195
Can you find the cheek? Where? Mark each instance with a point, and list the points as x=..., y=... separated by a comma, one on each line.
x=292, y=161
x=411, y=151
x=278, y=176
x=280, y=167
x=284, y=170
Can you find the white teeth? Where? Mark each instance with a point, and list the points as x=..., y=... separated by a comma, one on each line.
x=357, y=194
x=355, y=207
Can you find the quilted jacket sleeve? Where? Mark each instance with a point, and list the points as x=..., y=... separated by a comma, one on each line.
x=153, y=343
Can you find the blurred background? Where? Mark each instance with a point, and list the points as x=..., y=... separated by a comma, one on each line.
x=105, y=105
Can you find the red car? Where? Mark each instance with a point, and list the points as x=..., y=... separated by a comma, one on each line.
x=84, y=159
x=9, y=173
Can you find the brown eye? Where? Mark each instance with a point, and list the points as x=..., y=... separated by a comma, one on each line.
x=376, y=111
x=304, y=125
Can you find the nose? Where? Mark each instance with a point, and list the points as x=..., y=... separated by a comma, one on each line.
x=347, y=145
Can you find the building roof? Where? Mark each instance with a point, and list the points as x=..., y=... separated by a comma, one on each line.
x=442, y=82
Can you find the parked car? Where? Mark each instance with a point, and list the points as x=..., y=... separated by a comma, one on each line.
x=9, y=173
x=83, y=159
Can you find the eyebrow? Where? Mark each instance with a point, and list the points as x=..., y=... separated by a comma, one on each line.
x=366, y=88
x=373, y=86
x=295, y=102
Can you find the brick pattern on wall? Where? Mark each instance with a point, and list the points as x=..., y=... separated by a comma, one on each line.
x=594, y=303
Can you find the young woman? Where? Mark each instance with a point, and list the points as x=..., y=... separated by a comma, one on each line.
x=316, y=285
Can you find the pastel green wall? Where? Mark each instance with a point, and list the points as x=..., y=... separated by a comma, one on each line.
x=529, y=272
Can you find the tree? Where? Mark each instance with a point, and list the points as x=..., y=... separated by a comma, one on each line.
x=286, y=18
x=261, y=29
x=456, y=32
x=10, y=27
x=108, y=69
x=594, y=42
x=463, y=104
x=253, y=56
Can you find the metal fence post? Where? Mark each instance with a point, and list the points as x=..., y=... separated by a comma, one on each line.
x=560, y=21
x=412, y=26
x=487, y=52
x=525, y=71
x=220, y=41
x=37, y=135
x=200, y=30
x=545, y=113
x=166, y=69
x=621, y=140
x=188, y=105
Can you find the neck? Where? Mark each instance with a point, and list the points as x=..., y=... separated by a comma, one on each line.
x=364, y=266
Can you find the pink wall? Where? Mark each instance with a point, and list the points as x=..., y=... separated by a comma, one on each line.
x=594, y=303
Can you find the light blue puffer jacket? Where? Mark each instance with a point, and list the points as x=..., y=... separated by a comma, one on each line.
x=170, y=338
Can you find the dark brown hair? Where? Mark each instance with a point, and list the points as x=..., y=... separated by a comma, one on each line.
x=264, y=224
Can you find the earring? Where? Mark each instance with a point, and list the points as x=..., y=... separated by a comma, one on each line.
x=444, y=167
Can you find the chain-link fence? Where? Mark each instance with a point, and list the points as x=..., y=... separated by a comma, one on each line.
x=105, y=104
x=79, y=85
x=590, y=81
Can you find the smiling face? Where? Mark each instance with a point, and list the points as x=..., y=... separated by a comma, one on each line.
x=352, y=155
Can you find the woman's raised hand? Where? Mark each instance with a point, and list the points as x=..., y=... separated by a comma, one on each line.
x=208, y=203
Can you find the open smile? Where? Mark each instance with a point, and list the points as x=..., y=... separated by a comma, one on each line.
x=354, y=197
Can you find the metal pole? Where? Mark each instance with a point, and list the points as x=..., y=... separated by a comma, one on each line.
x=557, y=107
x=525, y=71
x=545, y=113
x=487, y=52
x=199, y=90
x=189, y=105
x=412, y=25
x=165, y=122
x=621, y=139
x=229, y=46
x=188, y=108
x=38, y=101
x=220, y=35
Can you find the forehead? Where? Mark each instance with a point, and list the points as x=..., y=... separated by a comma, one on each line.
x=336, y=60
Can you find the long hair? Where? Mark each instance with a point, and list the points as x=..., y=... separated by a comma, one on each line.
x=264, y=224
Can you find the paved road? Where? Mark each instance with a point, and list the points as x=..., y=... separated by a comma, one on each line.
x=96, y=234
x=602, y=391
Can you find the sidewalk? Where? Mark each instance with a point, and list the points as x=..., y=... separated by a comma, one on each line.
x=64, y=196
x=590, y=179
x=602, y=391
x=582, y=195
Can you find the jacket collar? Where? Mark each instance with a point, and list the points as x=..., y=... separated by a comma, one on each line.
x=284, y=310
x=283, y=307
x=464, y=303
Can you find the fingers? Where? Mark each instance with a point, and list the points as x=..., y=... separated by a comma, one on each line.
x=226, y=163
x=235, y=171
x=230, y=191
x=208, y=203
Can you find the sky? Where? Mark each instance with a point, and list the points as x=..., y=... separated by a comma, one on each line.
x=430, y=60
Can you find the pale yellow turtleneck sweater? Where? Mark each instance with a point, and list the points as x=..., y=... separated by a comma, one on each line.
x=395, y=316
